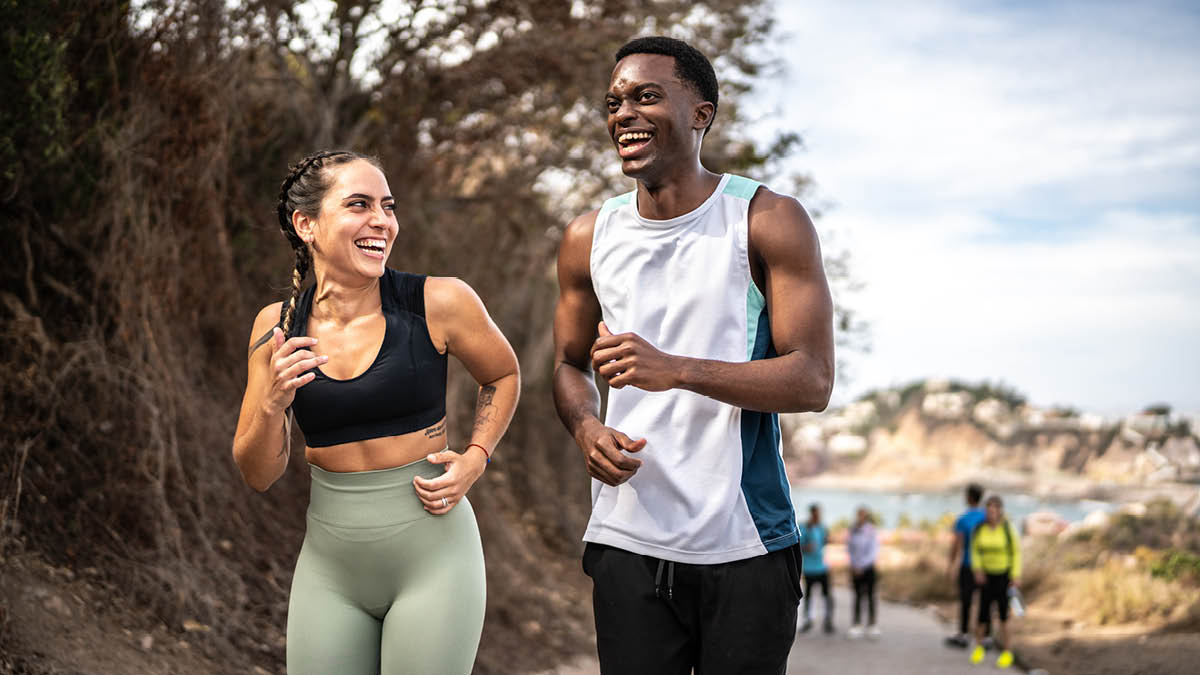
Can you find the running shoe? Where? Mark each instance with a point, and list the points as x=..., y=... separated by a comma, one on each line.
x=977, y=654
x=1005, y=660
x=960, y=641
x=855, y=632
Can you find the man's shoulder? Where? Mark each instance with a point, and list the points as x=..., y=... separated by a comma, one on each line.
x=583, y=224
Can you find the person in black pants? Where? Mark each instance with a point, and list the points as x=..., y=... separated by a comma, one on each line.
x=863, y=547
x=814, y=535
x=960, y=563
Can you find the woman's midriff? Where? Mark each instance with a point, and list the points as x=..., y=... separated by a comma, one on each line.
x=380, y=453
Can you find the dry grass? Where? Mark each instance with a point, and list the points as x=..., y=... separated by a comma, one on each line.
x=1120, y=592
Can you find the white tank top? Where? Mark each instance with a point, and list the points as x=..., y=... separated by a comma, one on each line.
x=712, y=486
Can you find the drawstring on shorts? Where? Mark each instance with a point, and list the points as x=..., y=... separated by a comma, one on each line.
x=670, y=580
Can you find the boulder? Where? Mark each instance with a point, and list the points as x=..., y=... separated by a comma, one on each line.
x=1043, y=524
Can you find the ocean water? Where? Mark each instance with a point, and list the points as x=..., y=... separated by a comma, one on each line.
x=889, y=506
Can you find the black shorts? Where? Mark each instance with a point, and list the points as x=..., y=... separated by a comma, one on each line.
x=994, y=590
x=655, y=617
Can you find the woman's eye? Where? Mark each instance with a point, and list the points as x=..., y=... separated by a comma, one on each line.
x=390, y=207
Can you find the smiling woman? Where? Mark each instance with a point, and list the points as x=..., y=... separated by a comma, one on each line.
x=390, y=576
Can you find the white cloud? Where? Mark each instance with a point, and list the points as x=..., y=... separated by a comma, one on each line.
x=1017, y=187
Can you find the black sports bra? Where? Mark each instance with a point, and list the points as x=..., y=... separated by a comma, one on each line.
x=403, y=390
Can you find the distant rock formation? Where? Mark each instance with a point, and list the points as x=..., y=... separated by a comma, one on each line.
x=942, y=432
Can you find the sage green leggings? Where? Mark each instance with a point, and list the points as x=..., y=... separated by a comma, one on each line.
x=383, y=586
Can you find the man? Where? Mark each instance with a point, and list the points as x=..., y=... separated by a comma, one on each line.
x=701, y=300
x=960, y=562
x=814, y=535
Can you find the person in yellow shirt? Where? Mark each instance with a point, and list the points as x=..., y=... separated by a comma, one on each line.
x=996, y=562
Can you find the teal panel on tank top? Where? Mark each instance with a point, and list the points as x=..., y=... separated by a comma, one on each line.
x=741, y=187
x=614, y=203
x=764, y=481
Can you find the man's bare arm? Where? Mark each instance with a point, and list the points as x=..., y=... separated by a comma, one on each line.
x=575, y=395
x=784, y=246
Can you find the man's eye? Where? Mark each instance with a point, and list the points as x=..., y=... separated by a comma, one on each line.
x=648, y=96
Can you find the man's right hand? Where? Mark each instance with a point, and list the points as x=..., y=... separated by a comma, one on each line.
x=603, y=449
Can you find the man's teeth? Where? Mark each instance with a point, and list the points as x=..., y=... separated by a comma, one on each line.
x=633, y=136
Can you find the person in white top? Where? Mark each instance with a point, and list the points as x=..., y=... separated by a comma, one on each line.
x=701, y=300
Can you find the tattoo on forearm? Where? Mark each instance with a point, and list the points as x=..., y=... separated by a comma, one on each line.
x=435, y=431
x=485, y=410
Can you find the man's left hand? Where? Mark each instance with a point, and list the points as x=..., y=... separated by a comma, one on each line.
x=627, y=359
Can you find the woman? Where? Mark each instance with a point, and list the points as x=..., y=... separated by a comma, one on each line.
x=390, y=576
x=863, y=547
x=996, y=562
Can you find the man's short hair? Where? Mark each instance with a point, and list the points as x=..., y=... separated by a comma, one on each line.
x=691, y=67
x=974, y=493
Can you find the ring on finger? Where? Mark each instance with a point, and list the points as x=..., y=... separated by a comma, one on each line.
x=445, y=503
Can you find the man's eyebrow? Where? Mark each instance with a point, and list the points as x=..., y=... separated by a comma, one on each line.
x=637, y=89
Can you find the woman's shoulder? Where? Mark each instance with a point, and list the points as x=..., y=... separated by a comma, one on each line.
x=449, y=294
x=264, y=323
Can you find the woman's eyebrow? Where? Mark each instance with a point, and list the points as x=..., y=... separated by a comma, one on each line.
x=359, y=195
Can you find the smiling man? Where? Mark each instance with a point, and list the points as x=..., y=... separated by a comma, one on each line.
x=701, y=300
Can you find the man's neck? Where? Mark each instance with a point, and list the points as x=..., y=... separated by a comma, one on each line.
x=671, y=196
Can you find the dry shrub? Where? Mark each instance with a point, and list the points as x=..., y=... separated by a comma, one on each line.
x=925, y=581
x=1121, y=593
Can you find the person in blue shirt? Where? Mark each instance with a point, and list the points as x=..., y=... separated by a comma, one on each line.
x=813, y=536
x=960, y=562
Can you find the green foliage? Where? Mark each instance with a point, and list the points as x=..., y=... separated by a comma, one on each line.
x=986, y=390
x=1178, y=565
x=36, y=87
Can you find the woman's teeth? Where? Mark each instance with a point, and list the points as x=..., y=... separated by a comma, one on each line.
x=373, y=245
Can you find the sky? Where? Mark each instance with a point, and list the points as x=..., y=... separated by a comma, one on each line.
x=1017, y=184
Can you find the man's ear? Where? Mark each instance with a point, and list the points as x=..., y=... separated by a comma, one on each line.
x=702, y=115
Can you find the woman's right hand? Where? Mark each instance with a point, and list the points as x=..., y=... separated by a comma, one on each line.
x=291, y=368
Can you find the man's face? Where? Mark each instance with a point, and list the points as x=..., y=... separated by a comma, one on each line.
x=650, y=114
x=815, y=513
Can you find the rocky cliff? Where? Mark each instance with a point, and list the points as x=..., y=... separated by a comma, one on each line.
x=939, y=433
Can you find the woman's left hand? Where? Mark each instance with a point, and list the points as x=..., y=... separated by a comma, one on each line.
x=440, y=494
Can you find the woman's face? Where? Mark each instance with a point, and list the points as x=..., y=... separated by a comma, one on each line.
x=356, y=227
x=994, y=512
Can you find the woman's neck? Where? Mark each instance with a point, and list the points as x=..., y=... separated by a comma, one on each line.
x=341, y=299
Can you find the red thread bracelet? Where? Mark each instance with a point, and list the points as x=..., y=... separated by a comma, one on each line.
x=485, y=451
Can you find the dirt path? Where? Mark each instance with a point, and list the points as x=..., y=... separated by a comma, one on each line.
x=911, y=644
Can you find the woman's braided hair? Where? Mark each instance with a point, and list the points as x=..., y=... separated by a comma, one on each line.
x=303, y=190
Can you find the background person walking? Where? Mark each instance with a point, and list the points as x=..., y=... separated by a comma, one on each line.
x=996, y=562
x=863, y=547
x=960, y=563
x=813, y=536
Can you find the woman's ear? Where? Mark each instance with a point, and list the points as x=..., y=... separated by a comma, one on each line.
x=304, y=226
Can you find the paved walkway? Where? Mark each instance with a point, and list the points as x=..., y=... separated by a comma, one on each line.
x=911, y=644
